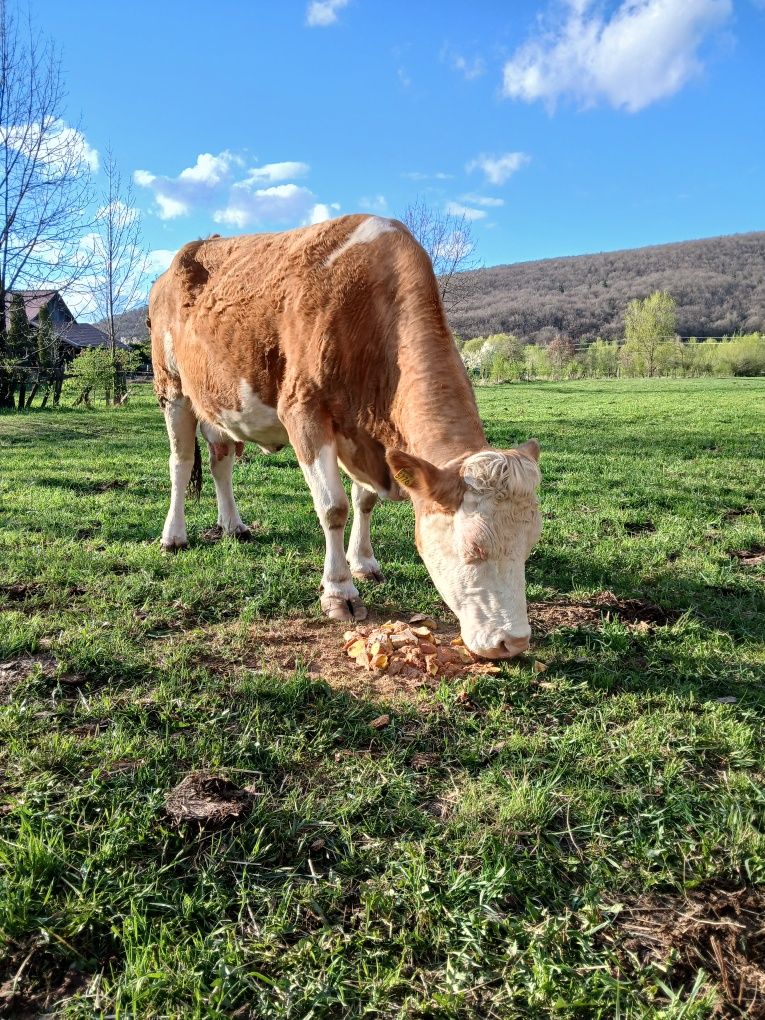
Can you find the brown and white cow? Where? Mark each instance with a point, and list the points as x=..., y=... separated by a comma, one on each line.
x=333, y=338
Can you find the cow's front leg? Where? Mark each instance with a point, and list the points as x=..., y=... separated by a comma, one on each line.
x=222, y=455
x=181, y=425
x=340, y=598
x=361, y=558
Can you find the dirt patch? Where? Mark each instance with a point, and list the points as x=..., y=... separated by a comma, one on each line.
x=717, y=930
x=639, y=527
x=16, y=670
x=753, y=557
x=732, y=515
x=110, y=486
x=20, y=592
x=546, y=617
x=209, y=801
x=34, y=984
x=317, y=646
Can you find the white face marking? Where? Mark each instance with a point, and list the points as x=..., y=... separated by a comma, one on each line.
x=476, y=556
x=366, y=232
x=256, y=422
x=169, y=349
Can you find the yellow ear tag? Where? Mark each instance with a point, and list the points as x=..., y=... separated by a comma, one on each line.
x=404, y=477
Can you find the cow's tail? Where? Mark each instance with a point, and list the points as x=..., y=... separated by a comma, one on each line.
x=194, y=487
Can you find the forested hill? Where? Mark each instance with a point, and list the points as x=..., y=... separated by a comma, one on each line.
x=718, y=284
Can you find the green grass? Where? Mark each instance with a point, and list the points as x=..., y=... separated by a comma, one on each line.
x=364, y=882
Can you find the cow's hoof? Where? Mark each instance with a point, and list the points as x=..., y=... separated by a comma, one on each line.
x=338, y=608
x=376, y=576
x=173, y=547
x=243, y=534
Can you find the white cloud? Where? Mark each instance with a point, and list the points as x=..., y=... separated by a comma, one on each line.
x=374, y=203
x=469, y=68
x=209, y=169
x=415, y=175
x=282, y=203
x=273, y=172
x=231, y=193
x=457, y=209
x=171, y=208
x=490, y=203
x=321, y=13
x=646, y=50
x=52, y=143
x=497, y=169
x=321, y=212
x=159, y=260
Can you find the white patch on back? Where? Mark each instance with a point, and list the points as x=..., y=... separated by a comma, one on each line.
x=366, y=232
x=167, y=344
x=256, y=422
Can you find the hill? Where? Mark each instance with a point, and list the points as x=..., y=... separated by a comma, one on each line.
x=718, y=284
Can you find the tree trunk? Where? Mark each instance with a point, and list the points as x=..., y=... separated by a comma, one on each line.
x=32, y=396
x=22, y=391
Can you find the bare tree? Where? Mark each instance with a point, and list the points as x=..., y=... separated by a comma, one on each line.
x=120, y=260
x=448, y=240
x=44, y=174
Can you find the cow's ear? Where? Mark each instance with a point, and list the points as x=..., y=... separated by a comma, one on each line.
x=529, y=449
x=443, y=486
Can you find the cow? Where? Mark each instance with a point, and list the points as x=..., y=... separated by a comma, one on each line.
x=333, y=338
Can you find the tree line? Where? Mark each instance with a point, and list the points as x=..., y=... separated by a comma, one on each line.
x=650, y=347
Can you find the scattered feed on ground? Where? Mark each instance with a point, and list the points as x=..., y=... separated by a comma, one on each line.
x=461, y=850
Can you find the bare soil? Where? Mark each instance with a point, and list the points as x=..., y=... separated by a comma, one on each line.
x=720, y=931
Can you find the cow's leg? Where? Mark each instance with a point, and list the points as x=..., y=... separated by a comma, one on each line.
x=340, y=598
x=181, y=425
x=361, y=558
x=222, y=452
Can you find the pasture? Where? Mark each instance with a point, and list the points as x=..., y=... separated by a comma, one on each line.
x=516, y=845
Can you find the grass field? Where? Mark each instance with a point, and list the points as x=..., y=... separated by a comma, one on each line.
x=576, y=842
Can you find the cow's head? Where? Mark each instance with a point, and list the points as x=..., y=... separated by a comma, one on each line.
x=477, y=522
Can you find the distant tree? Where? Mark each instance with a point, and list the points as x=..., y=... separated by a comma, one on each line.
x=44, y=174
x=119, y=260
x=649, y=325
x=537, y=362
x=561, y=352
x=18, y=347
x=448, y=240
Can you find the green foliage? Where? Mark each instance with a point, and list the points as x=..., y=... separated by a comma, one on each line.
x=649, y=328
x=469, y=860
x=94, y=371
x=19, y=335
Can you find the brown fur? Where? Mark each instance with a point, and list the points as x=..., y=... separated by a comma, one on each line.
x=358, y=350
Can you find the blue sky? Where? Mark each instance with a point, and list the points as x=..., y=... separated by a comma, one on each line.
x=560, y=128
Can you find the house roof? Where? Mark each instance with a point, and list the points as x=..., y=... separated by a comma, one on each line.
x=34, y=301
x=76, y=334
x=84, y=334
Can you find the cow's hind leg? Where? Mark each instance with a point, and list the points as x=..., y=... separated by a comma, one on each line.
x=361, y=558
x=340, y=598
x=222, y=455
x=181, y=425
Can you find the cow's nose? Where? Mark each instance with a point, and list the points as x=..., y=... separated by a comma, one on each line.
x=502, y=645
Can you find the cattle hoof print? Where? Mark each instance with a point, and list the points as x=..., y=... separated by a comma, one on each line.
x=338, y=608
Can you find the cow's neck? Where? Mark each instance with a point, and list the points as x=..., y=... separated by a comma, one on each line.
x=435, y=410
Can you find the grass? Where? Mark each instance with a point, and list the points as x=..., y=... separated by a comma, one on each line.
x=469, y=860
